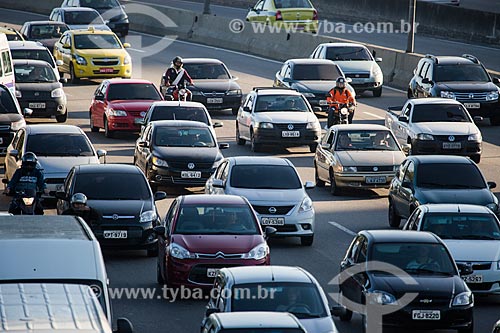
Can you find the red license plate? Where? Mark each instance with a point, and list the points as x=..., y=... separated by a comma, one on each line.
x=105, y=70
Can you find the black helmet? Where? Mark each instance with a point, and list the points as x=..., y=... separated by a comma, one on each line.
x=29, y=160
x=340, y=83
x=79, y=198
x=177, y=59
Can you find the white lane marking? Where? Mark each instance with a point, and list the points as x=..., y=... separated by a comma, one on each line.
x=341, y=227
x=136, y=50
x=373, y=115
x=395, y=89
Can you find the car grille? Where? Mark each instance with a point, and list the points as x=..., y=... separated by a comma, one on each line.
x=184, y=165
x=105, y=61
x=54, y=180
x=429, y=301
x=480, y=286
x=477, y=97
x=36, y=95
x=219, y=255
x=116, y=218
x=479, y=266
x=385, y=168
x=134, y=113
x=115, y=71
x=358, y=75
x=198, y=273
x=285, y=228
x=446, y=138
x=280, y=210
x=296, y=127
x=213, y=93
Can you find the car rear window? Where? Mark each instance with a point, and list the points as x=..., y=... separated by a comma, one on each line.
x=460, y=72
x=112, y=186
x=133, y=91
x=347, y=53
x=34, y=55
x=59, y=144
x=449, y=176
x=292, y=4
x=440, y=112
x=278, y=177
x=47, y=31
x=316, y=72
x=207, y=71
x=179, y=113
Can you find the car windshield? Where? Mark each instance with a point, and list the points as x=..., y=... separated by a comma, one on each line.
x=216, y=220
x=462, y=225
x=83, y=17
x=42, y=54
x=292, y=4
x=348, y=53
x=449, y=176
x=7, y=104
x=279, y=177
x=440, y=112
x=301, y=299
x=133, y=91
x=111, y=186
x=458, y=72
x=276, y=103
x=34, y=73
x=207, y=71
x=179, y=113
x=414, y=258
x=93, y=42
x=59, y=144
x=169, y=136
x=366, y=140
x=47, y=31
x=316, y=72
x=99, y=4
x=261, y=330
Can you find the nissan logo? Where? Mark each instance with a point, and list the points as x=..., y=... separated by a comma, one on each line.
x=272, y=210
x=451, y=138
x=191, y=166
x=37, y=94
x=290, y=127
x=375, y=168
x=115, y=217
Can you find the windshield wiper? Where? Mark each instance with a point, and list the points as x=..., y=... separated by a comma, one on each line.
x=425, y=270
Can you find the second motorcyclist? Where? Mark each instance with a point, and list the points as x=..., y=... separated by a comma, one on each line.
x=176, y=76
x=338, y=96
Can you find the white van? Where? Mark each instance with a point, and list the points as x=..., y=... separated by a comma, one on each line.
x=52, y=249
x=7, y=77
x=48, y=307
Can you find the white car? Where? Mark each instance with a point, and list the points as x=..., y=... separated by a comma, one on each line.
x=252, y=321
x=472, y=234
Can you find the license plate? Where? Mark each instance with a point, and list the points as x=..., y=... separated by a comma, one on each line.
x=375, y=180
x=36, y=105
x=212, y=272
x=472, y=105
x=138, y=120
x=473, y=278
x=323, y=102
x=214, y=100
x=290, y=134
x=452, y=145
x=272, y=220
x=115, y=234
x=426, y=314
x=105, y=70
x=190, y=174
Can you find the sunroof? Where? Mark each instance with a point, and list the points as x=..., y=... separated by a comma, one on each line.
x=41, y=227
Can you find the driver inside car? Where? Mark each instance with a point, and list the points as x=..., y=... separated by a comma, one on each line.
x=424, y=260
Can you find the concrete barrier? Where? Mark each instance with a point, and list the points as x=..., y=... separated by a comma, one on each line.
x=41, y=7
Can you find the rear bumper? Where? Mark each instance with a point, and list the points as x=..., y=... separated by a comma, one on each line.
x=228, y=102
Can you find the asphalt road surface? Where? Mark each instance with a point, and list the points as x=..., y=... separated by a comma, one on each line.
x=354, y=211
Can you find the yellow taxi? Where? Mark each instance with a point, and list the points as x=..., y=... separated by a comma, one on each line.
x=299, y=14
x=92, y=54
x=11, y=34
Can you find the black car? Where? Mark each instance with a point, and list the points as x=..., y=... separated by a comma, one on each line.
x=37, y=88
x=437, y=179
x=123, y=198
x=423, y=272
x=214, y=86
x=461, y=78
x=11, y=119
x=45, y=32
x=111, y=11
x=177, y=152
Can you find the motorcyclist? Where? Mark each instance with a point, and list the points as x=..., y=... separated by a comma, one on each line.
x=177, y=76
x=28, y=177
x=340, y=95
x=79, y=207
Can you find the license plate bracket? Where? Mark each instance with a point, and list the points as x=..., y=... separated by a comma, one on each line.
x=37, y=105
x=190, y=174
x=217, y=100
x=115, y=234
x=473, y=278
x=290, y=134
x=426, y=314
x=472, y=105
x=270, y=221
x=452, y=145
x=376, y=180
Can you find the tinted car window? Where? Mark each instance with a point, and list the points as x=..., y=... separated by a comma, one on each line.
x=439, y=112
x=99, y=4
x=32, y=54
x=133, y=91
x=110, y=186
x=448, y=175
x=96, y=42
x=462, y=226
x=57, y=144
x=366, y=140
x=179, y=113
x=6, y=102
x=47, y=31
x=292, y=4
x=207, y=71
x=34, y=73
x=264, y=177
x=311, y=72
x=347, y=53
x=84, y=17
x=183, y=137
x=472, y=72
x=274, y=103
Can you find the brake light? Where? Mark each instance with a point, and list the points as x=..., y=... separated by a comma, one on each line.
x=279, y=17
x=315, y=15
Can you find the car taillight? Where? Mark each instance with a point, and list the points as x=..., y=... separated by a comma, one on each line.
x=279, y=17
x=315, y=16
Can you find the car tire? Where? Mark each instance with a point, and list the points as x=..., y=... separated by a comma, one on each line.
x=72, y=75
x=159, y=277
x=152, y=252
x=394, y=218
x=377, y=92
x=255, y=147
x=334, y=190
x=239, y=140
x=312, y=147
x=93, y=127
x=306, y=240
x=319, y=182
x=62, y=117
x=495, y=121
x=234, y=111
x=107, y=132
x=476, y=158
x=347, y=316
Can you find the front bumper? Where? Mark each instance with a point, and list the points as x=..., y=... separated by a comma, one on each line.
x=274, y=136
x=486, y=109
x=228, y=101
x=139, y=235
x=128, y=123
x=173, y=176
x=490, y=284
x=367, y=85
x=436, y=146
x=361, y=180
x=97, y=72
x=53, y=106
x=296, y=224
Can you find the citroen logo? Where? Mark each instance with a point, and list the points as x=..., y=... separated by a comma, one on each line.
x=471, y=96
x=115, y=217
x=219, y=255
x=272, y=210
x=375, y=168
x=290, y=127
x=451, y=138
x=191, y=166
x=426, y=301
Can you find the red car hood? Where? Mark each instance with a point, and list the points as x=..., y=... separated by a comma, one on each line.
x=131, y=105
x=211, y=244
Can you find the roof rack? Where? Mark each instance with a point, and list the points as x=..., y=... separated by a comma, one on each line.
x=433, y=57
x=271, y=88
x=471, y=58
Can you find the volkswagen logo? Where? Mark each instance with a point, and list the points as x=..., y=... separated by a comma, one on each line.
x=272, y=210
x=426, y=301
x=451, y=138
x=115, y=217
x=191, y=166
x=290, y=127
x=375, y=168
x=471, y=96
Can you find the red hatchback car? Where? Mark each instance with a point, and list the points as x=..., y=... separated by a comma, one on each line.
x=120, y=105
x=204, y=233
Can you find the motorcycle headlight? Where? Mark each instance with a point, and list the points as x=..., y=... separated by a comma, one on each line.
x=148, y=216
x=127, y=60
x=266, y=125
x=349, y=169
x=493, y=207
x=425, y=137
x=159, y=162
x=475, y=137
x=116, y=113
x=234, y=92
x=80, y=60
x=179, y=252
x=464, y=298
x=313, y=125
x=56, y=93
x=306, y=205
x=182, y=92
x=17, y=125
x=448, y=94
x=28, y=201
x=381, y=297
x=257, y=253
x=492, y=96
x=307, y=94
x=19, y=94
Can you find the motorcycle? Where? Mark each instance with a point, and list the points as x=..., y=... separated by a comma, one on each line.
x=26, y=202
x=339, y=113
x=177, y=93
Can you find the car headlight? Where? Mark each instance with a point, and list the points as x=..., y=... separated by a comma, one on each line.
x=475, y=137
x=19, y=94
x=17, y=125
x=127, y=60
x=116, y=113
x=425, y=137
x=266, y=125
x=79, y=59
x=376, y=71
x=159, y=162
x=448, y=94
x=464, y=298
x=313, y=125
x=349, y=169
x=493, y=207
x=148, y=216
x=57, y=93
x=492, y=96
x=234, y=92
x=257, y=253
x=180, y=252
x=306, y=205
x=307, y=94
x=381, y=297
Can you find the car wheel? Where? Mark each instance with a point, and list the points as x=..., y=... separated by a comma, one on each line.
x=72, y=75
x=239, y=140
x=235, y=111
x=306, y=240
x=495, y=121
x=394, y=218
x=334, y=190
x=377, y=92
x=93, y=127
x=159, y=277
x=107, y=132
x=62, y=117
x=153, y=252
x=255, y=147
x=476, y=158
x=312, y=147
x=319, y=182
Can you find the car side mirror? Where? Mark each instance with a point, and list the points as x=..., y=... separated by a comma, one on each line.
x=99, y=97
x=269, y=231
x=326, y=146
x=160, y=195
x=14, y=152
x=286, y=80
x=218, y=124
x=218, y=183
x=427, y=81
x=492, y=185
x=337, y=311
x=378, y=59
x=407, y=184
x=309, y=185
x=478, y=118
x=317, y=109
x=246, y=109
x=209, y=311
x=160, y=230
x=223, y=145
x=27, y=112
x=63, y=80
x=59, y=63
x=123, y=325
x=496, y=80
x=101, y=153
x=126, y=45
x=61, y=196
x=143, y=144
x=406, y=147
x=403, y=119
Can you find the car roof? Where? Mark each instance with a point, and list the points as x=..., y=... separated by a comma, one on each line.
x=454, y=60
x=26, y=44
x=126, y=81
x=433, y=100
x=44, y=22
x=177, y=103
x=455, y=208
x=178, y=123
x=31, y=62
x=277, y=92
x=399, y=236
x=265, y=274
x=343, y=44
x=108, y=168
x=307, y=61
x=52, y=128
x=201, y=199
x=77, y=9
x=359, y=127
x=448, y=159
x=256, y=319
x=53, y=227
x=201, y=61
x=260, y=160
x=90, y=32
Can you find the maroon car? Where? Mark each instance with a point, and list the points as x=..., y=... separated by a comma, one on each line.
x=120, y=105
x=203, y=233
